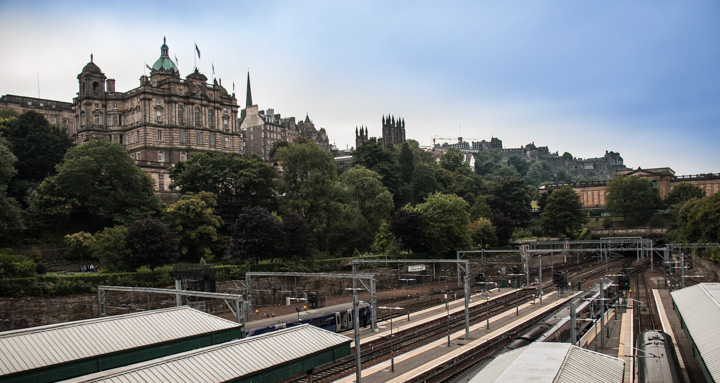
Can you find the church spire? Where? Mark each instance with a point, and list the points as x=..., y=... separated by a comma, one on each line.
x=248, y=97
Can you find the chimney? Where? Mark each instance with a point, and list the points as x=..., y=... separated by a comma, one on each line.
x=110, y=85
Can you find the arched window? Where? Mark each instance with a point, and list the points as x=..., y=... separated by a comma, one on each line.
x=95, y=86
x=180, y=115
x=197, y=116
x=211, y=120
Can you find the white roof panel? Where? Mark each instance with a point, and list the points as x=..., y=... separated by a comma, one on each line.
x=43, y=346
x=699, y=307
x=552, y=363
x=226, y=361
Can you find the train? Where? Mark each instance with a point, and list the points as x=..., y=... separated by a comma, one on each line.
x=337, y=318
x=556, y=326
x=657, y=361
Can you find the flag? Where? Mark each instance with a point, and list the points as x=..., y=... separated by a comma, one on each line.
x=148, y=66
x=233, y=86
x=197, y=50
x=176, y=61
x=213, y=69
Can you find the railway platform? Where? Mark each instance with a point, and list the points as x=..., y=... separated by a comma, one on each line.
x=437, y=352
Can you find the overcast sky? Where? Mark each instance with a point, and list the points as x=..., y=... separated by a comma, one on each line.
x=637, y=77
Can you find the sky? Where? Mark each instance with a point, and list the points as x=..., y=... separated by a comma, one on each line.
x=641, y=78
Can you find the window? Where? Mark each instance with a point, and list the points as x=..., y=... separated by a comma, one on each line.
x=197, y=116
x=97, y=106
x=109, y=120
x=65, y=121
x=227, y=142
x=211, y=120
x=158, y=116
x=198, y=138
x=115, y=120
x=180, y=92
x=157, y=101
x=180, y=115
x=114, y=104
x=132, y=103
x=159, y=135
x=183, y=156
x=137, y=137
x=182, y=136
x=53, y=120
x=161, y=156
x=225, y=124
x=97, y=119
x=212, y=139
x=225, y=110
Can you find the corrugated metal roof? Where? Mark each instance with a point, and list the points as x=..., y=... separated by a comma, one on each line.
x=699, y=307
x=226, y=361
x=43, y=346
x=551, y=363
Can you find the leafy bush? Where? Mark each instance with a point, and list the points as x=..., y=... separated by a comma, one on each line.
x=15, y=265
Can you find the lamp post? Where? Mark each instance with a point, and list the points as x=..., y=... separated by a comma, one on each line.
x=392, y=344
x=356, y=327
x=447, y=308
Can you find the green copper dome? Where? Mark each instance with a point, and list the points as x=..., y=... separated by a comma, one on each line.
x=164, y=63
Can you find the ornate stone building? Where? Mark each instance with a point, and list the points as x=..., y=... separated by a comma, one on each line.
x=57, y=112
x=262, y=129
x=163, y=120
x=393, y=132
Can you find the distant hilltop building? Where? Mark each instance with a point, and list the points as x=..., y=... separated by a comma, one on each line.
x=57, y=112
x=393, y=132
x=603, y=167
x=262, y=129
x=163, y=120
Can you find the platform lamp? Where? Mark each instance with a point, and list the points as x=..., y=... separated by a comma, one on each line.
x=356, y=327
x=392, y=344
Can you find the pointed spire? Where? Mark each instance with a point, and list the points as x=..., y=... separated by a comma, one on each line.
x=248, y=96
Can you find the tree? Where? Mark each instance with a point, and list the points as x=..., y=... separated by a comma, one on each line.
x=482, y=233
x=504, y=228
x=111, y=249
x=99, y=185
x=567, y=156
x=298, y=235
x=348, y=231
x=79, y=245
x=308, y=178
x=256, y=235
x=509, y=196
x=445, y=223
x=563, y=214
x=683, y=192
x=407, y=226
x=407, y=163
x=538, y=173
x=520, y=164
x=632, y=197
x=195, y=224
x=235, y=181
x=11, y=222
x=151, y=244
x=487, y=161
x=423, y=183
x=38, y=146
x=480, y=209
x=562, y=176
x=385, y=242
x=363, y=187
x=699, y=219
x=452, y=160
x=384, y=161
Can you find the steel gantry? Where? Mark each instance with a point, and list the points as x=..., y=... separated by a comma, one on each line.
x=355, y=277
x=179, y=293
x=463, y=266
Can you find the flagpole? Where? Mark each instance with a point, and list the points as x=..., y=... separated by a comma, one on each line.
x=194, y=56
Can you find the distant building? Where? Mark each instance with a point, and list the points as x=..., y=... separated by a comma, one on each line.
x=262, y=129
x=592, y=194
x=57, y=112
x=393, y=132
x=160, y=122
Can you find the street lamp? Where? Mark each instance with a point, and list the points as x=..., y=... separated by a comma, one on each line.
x=447, y=308
x=356, y=327
x=392, y=345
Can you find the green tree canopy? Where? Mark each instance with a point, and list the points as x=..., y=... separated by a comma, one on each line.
x=407, y=227
x=151, y=244
x=445, y=223
x=195, y=224
x=683, y=192
x=632, y=197
x=482, y=233
x=423, y=183
x=299, y=236
x=307, y=183
x=407, y=163
x=363, y=187
x=480, y=209
x=538, y=173
x=520, y=165
x=384, y=161
x=235, y=181
x=488, y=161
x=256, y=234
x=98, y=185
x=699, y=220
x=452, y=160
x=563, y=213
x=11, y=222
x=510, y=197
x=111, y=249
x=38, y=146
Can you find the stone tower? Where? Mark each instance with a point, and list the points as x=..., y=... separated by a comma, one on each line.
x=360, y=136
x=393, y=131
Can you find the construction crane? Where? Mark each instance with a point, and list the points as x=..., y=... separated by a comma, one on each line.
x=445, y=138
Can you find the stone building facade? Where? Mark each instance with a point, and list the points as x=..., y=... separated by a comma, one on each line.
x=160, y=122
x=57, y=112
x=261, y=129
x=393, y=132
x=592, y=194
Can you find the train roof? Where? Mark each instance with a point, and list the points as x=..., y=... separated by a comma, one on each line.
x=552, y=362
x=262, y=322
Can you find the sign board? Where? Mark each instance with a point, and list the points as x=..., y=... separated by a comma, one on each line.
x=416, y=268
